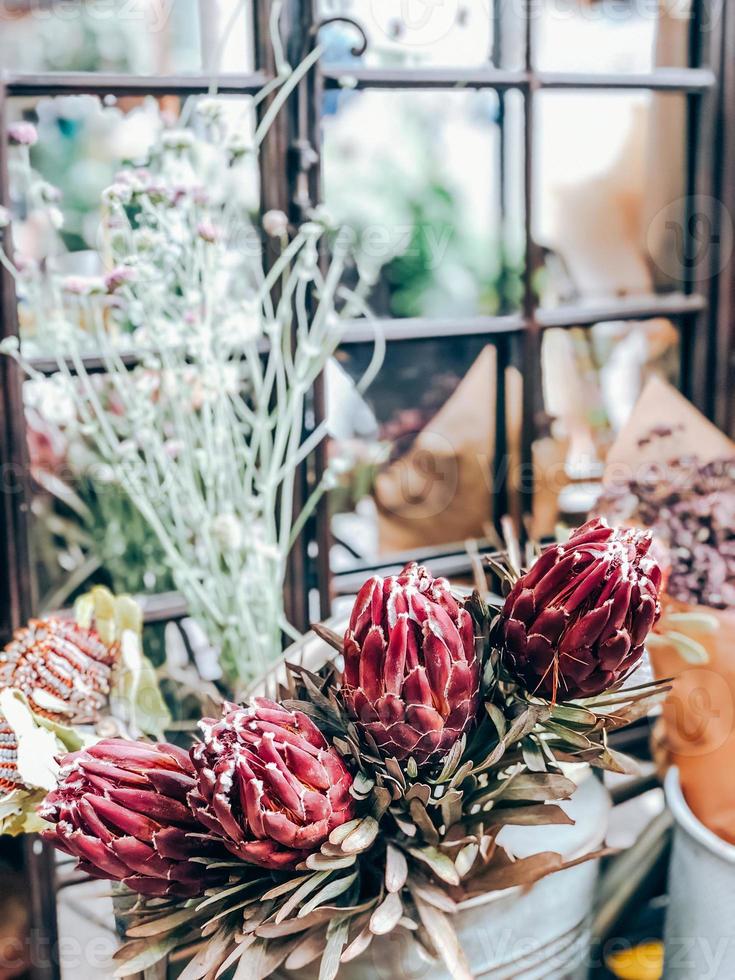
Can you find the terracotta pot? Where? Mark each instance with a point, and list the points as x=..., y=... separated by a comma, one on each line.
x=699, y=716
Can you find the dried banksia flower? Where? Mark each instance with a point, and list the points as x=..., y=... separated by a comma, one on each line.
x=575, y=623
x=269, y=785
x=120, y=808
x=412, y=675
x=62, y=668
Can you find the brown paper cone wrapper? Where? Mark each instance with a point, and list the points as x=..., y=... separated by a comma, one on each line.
x=699, y=717
x=441, y=490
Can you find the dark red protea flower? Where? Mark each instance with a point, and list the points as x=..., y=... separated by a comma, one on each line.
x=269, y=785
x=412, y=675
x=575, y=623
x=63, y=669
x=120, y=808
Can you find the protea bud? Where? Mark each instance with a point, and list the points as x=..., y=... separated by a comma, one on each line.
x=121, y=809
x=269, y=785
x=412, y=675
x=575, y=623
x=63, y=669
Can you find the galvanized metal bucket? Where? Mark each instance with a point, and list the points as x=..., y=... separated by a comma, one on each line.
x=541, y=933
x=700, y=923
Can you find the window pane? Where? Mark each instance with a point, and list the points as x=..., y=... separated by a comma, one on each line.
x=416, y=452
x=416, y=178
x=135, y=36
x=592, y=378
x=609, y=194
x=610, y=37
x=412, y=33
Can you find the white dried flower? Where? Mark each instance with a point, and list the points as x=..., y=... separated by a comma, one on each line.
x=210, y=108
x=117, y=193
x=323, y=217
x=45, y=192
x=177, y=139
x=242, y=327
x=52, y=400
x=275, y=224
x=239, y=146
x=228, y=532
x=56, y=217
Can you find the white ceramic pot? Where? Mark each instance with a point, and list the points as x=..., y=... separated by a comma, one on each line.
x=700, y=923
x=539, y=933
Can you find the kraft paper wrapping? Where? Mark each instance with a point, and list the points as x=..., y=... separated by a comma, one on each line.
x=664, y=426
x=699, y=714
x=441, y=490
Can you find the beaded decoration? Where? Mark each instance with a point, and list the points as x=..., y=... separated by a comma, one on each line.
x=62, y=668
x=9, y=775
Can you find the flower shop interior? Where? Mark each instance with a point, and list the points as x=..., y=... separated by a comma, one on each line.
x=367, y=553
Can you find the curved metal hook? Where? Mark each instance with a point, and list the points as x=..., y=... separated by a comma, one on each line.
x=361, y=47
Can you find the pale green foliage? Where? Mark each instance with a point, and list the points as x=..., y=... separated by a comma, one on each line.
x=206, y=433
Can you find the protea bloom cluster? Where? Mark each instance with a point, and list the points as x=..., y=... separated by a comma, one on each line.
x=412, y=674
x=269, y=785
x=63, y=669
x=121, y=809
x=575, y=623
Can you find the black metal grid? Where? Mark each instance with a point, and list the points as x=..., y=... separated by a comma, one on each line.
x=289, y=182
x=694, y=309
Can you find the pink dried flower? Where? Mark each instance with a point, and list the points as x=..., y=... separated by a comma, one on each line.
x=22, y=134
x=269, y=785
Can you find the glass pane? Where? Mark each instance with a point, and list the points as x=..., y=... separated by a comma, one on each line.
x=416, y=452
x=608, y=36
x=609, y=194
x=416, y=179
x=177, y=164
x=411, y=33
x=592, y=378
x=135, y=36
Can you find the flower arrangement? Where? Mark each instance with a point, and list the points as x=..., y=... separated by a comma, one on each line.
x=368, y=795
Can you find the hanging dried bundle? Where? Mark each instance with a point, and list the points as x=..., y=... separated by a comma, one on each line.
x=339, y=826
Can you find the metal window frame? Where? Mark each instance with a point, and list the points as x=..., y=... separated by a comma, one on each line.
x=290, y=181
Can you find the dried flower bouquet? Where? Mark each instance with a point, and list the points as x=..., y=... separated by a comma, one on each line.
x=232, y=320
x=368, y=795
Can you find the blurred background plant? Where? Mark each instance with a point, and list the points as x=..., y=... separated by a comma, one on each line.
x=435, y=228
x=205, y=432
